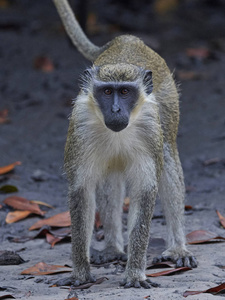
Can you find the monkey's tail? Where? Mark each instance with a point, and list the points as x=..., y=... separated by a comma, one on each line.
x=78, y=37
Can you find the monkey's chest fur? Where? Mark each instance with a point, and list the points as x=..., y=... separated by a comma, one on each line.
x=98, y=149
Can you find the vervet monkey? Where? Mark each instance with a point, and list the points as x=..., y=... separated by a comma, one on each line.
x=122, y=141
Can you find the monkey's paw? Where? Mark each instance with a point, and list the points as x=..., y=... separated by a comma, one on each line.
x=107, y=255
x=147, y=283
x=182, y=258
x=71, y=281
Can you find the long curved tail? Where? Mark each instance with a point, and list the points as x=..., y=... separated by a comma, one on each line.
x=73, y=29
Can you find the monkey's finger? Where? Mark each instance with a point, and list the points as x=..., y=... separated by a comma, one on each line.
x=193, y=262
x=128, y=285
x=64, y=281
x=123, y=257
x=145, y=284
x=154, y=284
x=160, y=258
x=137, y=284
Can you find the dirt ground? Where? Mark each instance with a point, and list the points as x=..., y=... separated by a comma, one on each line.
x=39, y=105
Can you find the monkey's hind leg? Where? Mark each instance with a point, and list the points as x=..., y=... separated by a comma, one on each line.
x=171, y=192
x=82, y=211
x=142, y=191
x=110, y=194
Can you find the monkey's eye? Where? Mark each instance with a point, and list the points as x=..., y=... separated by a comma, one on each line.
x=108, y=91
x=124, y=91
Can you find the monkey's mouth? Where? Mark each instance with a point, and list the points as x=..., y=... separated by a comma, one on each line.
x=117, y=125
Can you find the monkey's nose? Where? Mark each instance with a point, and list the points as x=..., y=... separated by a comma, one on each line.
x=115, y=108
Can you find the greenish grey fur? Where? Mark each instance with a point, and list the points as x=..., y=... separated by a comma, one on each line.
x=142, y=160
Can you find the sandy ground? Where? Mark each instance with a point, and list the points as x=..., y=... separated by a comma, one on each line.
x=38, y=104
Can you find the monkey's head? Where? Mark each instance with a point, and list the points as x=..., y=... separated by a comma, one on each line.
x=117, y=90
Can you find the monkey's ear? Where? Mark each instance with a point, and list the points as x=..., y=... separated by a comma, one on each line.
x=148, y=81
x=88, y=72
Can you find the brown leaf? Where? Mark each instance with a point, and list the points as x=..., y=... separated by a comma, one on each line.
x=222, y=218
x=4, y=116
x=7, y=296
x=200, y=53
x=169, y=272
x=41, y=203
x=211, y=161
x=164, y=6
x=59, y=220
x=23, y=204
x=52, y=240
x=203, y=236
x=73, y=298
x=17, y=215
x=42, y=268
x=126, y=204
x=8, y=168
x=165, y=264
x=44, y=64
x=190, y=75
x=92, y=25
x=188, y=207
x=60, y=233
x=214, y=291
x=189, y=189
x=98, y=223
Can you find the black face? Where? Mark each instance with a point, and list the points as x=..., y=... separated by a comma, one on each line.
x=116, y=101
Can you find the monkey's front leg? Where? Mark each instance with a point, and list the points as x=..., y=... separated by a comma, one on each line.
x=140, y=214
x=82, y=211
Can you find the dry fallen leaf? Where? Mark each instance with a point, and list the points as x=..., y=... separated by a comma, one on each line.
x=126, y=204
x=17, y=215
x=169, y=272
x=41, y=203
x=190, y=75
x=8, y=168
x=98, y=223
x=222, y=218
x=214, y=291
x=42, y=268
x=59, y=220
x=63, y=233
x=164, y=6
x=7, y=296
x=8, y=188
x=52, y=240
x=44, y=64
x=203, y=236
x=200, y=53
x=23, y=204
x=211, y=161
x=4, y=116
x=4, y=4
x=164, y=264
x=188, y=207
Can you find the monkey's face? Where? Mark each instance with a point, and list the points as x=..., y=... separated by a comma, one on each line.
x=116, y=100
